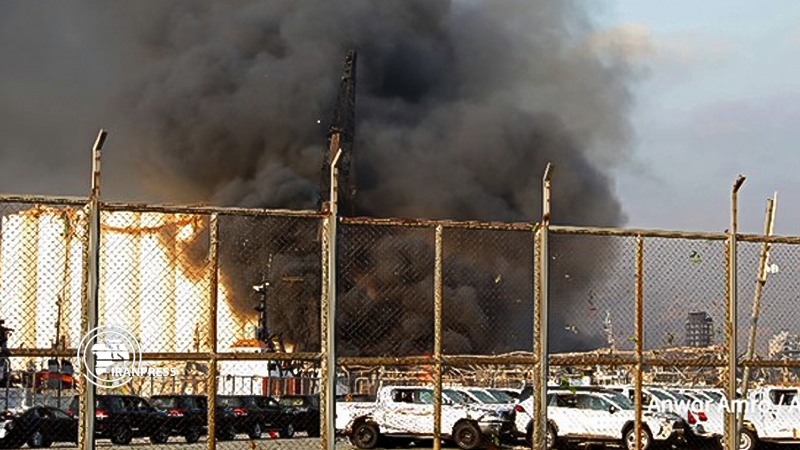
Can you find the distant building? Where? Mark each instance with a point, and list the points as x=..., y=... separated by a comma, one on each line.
x=784, y=345
x=699, y=330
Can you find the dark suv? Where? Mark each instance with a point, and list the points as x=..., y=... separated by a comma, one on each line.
x=191, y=416
x=253, y=414
x=124, y=417
x=301, y=413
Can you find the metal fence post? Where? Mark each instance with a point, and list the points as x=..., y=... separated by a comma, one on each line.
x=328, y=311
x=639, y=339
x=731, y=429
x=87, y=413
x=437, y=342
x=211, y=380
x=539, y=427
x=769, y=228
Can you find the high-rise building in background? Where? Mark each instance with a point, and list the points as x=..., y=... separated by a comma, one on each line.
x=699, y=330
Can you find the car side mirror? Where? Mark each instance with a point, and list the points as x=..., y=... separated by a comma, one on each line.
x=612, y=409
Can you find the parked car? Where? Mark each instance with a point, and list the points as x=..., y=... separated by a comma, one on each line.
x=191, y=413
x=774, y=419
x=597, y=416
x=121, y=418
x=252, y=414
x=404, y=414
x=39, y=426
x=301, y=413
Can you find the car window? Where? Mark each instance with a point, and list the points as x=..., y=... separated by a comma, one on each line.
x=567, y=401
x=229, y=402
x=110, y=403
x=291, y=401
x=164, y=402
x=424, y=396
x=591, y=402
x=782, y=396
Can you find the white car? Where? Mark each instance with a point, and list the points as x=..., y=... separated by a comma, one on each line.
x=772, y=415
x=403, y=414
x=596, y=416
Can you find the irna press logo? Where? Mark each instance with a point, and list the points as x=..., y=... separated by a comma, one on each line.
x=118, y=358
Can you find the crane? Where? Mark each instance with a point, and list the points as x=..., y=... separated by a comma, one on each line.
x=340, y=136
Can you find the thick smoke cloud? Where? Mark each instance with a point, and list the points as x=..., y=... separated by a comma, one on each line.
x=460, y=106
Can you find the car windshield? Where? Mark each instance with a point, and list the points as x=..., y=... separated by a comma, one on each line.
x=620, y=400
x=660, y=395
x=484, y=397
x=501, y=396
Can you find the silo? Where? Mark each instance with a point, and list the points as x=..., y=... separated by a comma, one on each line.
x=156, y=266
x=50, y=275
x=119, y=271
x=18, y=259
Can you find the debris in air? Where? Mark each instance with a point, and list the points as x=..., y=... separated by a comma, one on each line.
x=695, y=257
x=572, y=328
x=773, y=268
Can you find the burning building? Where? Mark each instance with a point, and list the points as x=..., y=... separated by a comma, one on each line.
x=152, y=281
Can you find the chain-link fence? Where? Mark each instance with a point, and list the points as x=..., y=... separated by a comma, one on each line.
x=233, y=328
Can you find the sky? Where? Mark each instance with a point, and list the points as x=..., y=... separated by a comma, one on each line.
x=718, y=96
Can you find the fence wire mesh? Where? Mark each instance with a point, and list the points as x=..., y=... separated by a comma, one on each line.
x=385, y=291
x=225, y=305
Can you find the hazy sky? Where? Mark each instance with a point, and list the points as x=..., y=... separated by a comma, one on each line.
x=720, y=95
x=717, y=97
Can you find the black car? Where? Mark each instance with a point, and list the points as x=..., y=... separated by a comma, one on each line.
x=301, y=413
x=191, y=416
x=253, y=414
x=39, y=426
x=121, y=418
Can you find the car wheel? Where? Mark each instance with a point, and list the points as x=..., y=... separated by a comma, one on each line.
x=748, y=440
x=121, y=435
x=467, y=435
x=365, y=435
x=550, y=439
x=38, y=440
x=161, y=436
x=255, y=431
x=287, y=432
x=630, y=439
x=192, y=435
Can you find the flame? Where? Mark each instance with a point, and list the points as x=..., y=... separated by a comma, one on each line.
x=148, y=283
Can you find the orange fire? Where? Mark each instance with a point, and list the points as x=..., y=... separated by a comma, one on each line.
x=150, y=283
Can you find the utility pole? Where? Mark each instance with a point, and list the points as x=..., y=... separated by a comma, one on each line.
x=5, y=332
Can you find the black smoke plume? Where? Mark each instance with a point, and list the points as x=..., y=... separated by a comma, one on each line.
x=460, y=106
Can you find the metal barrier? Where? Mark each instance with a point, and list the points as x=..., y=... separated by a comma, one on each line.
x=227, y=302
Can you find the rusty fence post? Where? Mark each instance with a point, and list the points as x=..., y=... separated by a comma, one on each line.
x=639, y=340
x=213, y=369
x=437, y=341
x=87, y=412
x=540, y=425
x=731, y=325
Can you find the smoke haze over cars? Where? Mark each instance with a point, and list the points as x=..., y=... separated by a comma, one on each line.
x=460, y=105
